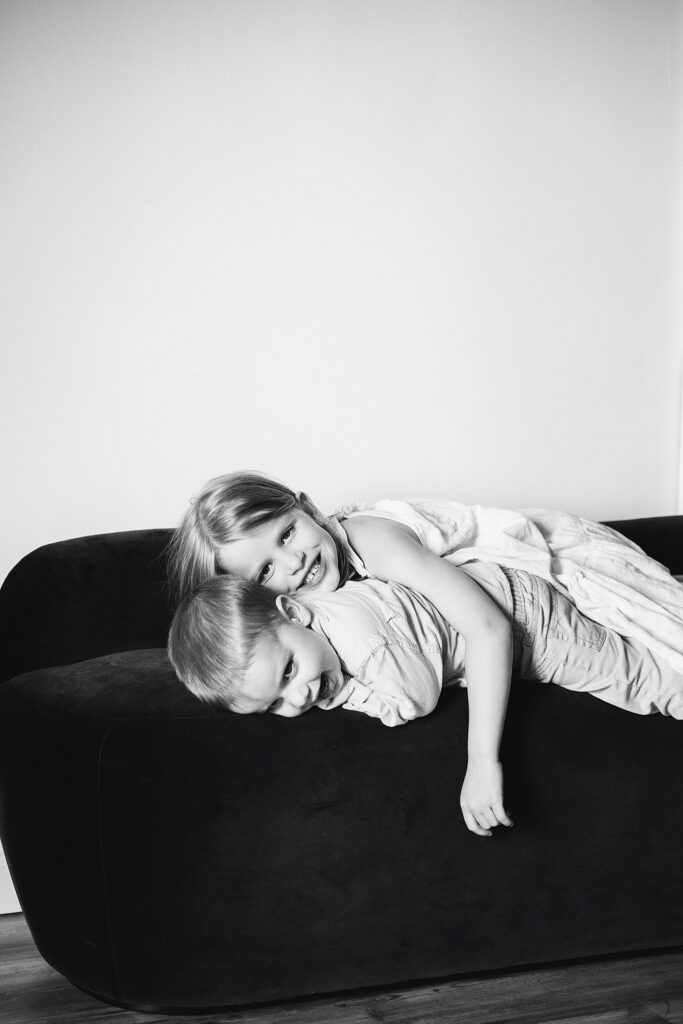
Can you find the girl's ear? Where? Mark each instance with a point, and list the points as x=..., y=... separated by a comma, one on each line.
x=293, y=610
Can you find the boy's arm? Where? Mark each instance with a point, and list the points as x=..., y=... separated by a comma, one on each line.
x=391, y=552
x=396, y=684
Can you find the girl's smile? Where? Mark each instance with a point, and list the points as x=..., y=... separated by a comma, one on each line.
x=289, y=553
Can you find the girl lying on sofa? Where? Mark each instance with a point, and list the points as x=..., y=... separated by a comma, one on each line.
x=594, y=612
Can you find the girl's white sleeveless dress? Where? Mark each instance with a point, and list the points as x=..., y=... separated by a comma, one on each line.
x=609, y=578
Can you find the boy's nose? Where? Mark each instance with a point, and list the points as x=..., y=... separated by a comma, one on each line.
x=300, y=694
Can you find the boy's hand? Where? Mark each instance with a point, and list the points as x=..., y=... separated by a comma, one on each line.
x=481, y=797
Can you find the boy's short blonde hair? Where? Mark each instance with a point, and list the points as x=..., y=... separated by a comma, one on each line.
x=214, y=632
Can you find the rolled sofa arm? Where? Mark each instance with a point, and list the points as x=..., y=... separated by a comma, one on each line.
x=81, y=598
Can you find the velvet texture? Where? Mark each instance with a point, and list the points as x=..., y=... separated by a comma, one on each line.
x=172, y=856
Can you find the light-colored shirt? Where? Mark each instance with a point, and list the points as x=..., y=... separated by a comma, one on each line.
x=396, y=649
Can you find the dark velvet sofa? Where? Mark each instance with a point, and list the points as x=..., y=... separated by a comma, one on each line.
x=171, y=856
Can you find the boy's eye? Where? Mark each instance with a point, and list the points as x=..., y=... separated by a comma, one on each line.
x=264, y=573
x=289, y=670
x=287, y=534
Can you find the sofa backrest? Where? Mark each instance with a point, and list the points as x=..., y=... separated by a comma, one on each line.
x=84, y=598
x=660, y=536
x=92, y=596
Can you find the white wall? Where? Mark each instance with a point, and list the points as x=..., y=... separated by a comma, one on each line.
x=374, y=247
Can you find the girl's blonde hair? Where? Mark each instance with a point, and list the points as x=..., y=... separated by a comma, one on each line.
x=227, y=508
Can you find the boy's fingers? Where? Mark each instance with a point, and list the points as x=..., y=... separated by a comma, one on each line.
x=474, y=826
x=502, y=815
x=488, y=818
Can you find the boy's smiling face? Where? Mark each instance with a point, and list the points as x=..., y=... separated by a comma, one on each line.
x=293, y=670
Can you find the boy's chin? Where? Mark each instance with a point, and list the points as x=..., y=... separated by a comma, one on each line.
x=334, y=702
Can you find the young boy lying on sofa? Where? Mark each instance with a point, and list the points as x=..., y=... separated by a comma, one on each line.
x=384, y=650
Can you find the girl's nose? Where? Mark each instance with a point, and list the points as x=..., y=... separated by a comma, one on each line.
x=294, y=561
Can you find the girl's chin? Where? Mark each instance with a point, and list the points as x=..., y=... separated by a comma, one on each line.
x=328, y=577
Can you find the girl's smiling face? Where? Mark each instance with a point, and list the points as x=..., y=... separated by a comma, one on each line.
x=289, y=553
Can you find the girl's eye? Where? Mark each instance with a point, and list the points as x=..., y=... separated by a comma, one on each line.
x=289, y=670
x=265, y=573
x=287, y=534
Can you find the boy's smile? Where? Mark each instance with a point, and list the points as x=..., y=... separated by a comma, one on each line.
x=292, y=671
x=287, y=554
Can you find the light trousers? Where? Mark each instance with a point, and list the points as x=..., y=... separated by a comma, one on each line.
x=555, y=643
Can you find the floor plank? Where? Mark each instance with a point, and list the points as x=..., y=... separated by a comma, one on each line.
x=629, y=990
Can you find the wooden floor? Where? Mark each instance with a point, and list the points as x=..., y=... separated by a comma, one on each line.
x=629, y=990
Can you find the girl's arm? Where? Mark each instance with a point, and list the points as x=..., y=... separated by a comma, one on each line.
x=391, y=551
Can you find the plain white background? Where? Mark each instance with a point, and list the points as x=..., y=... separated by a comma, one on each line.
x=377, y=248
